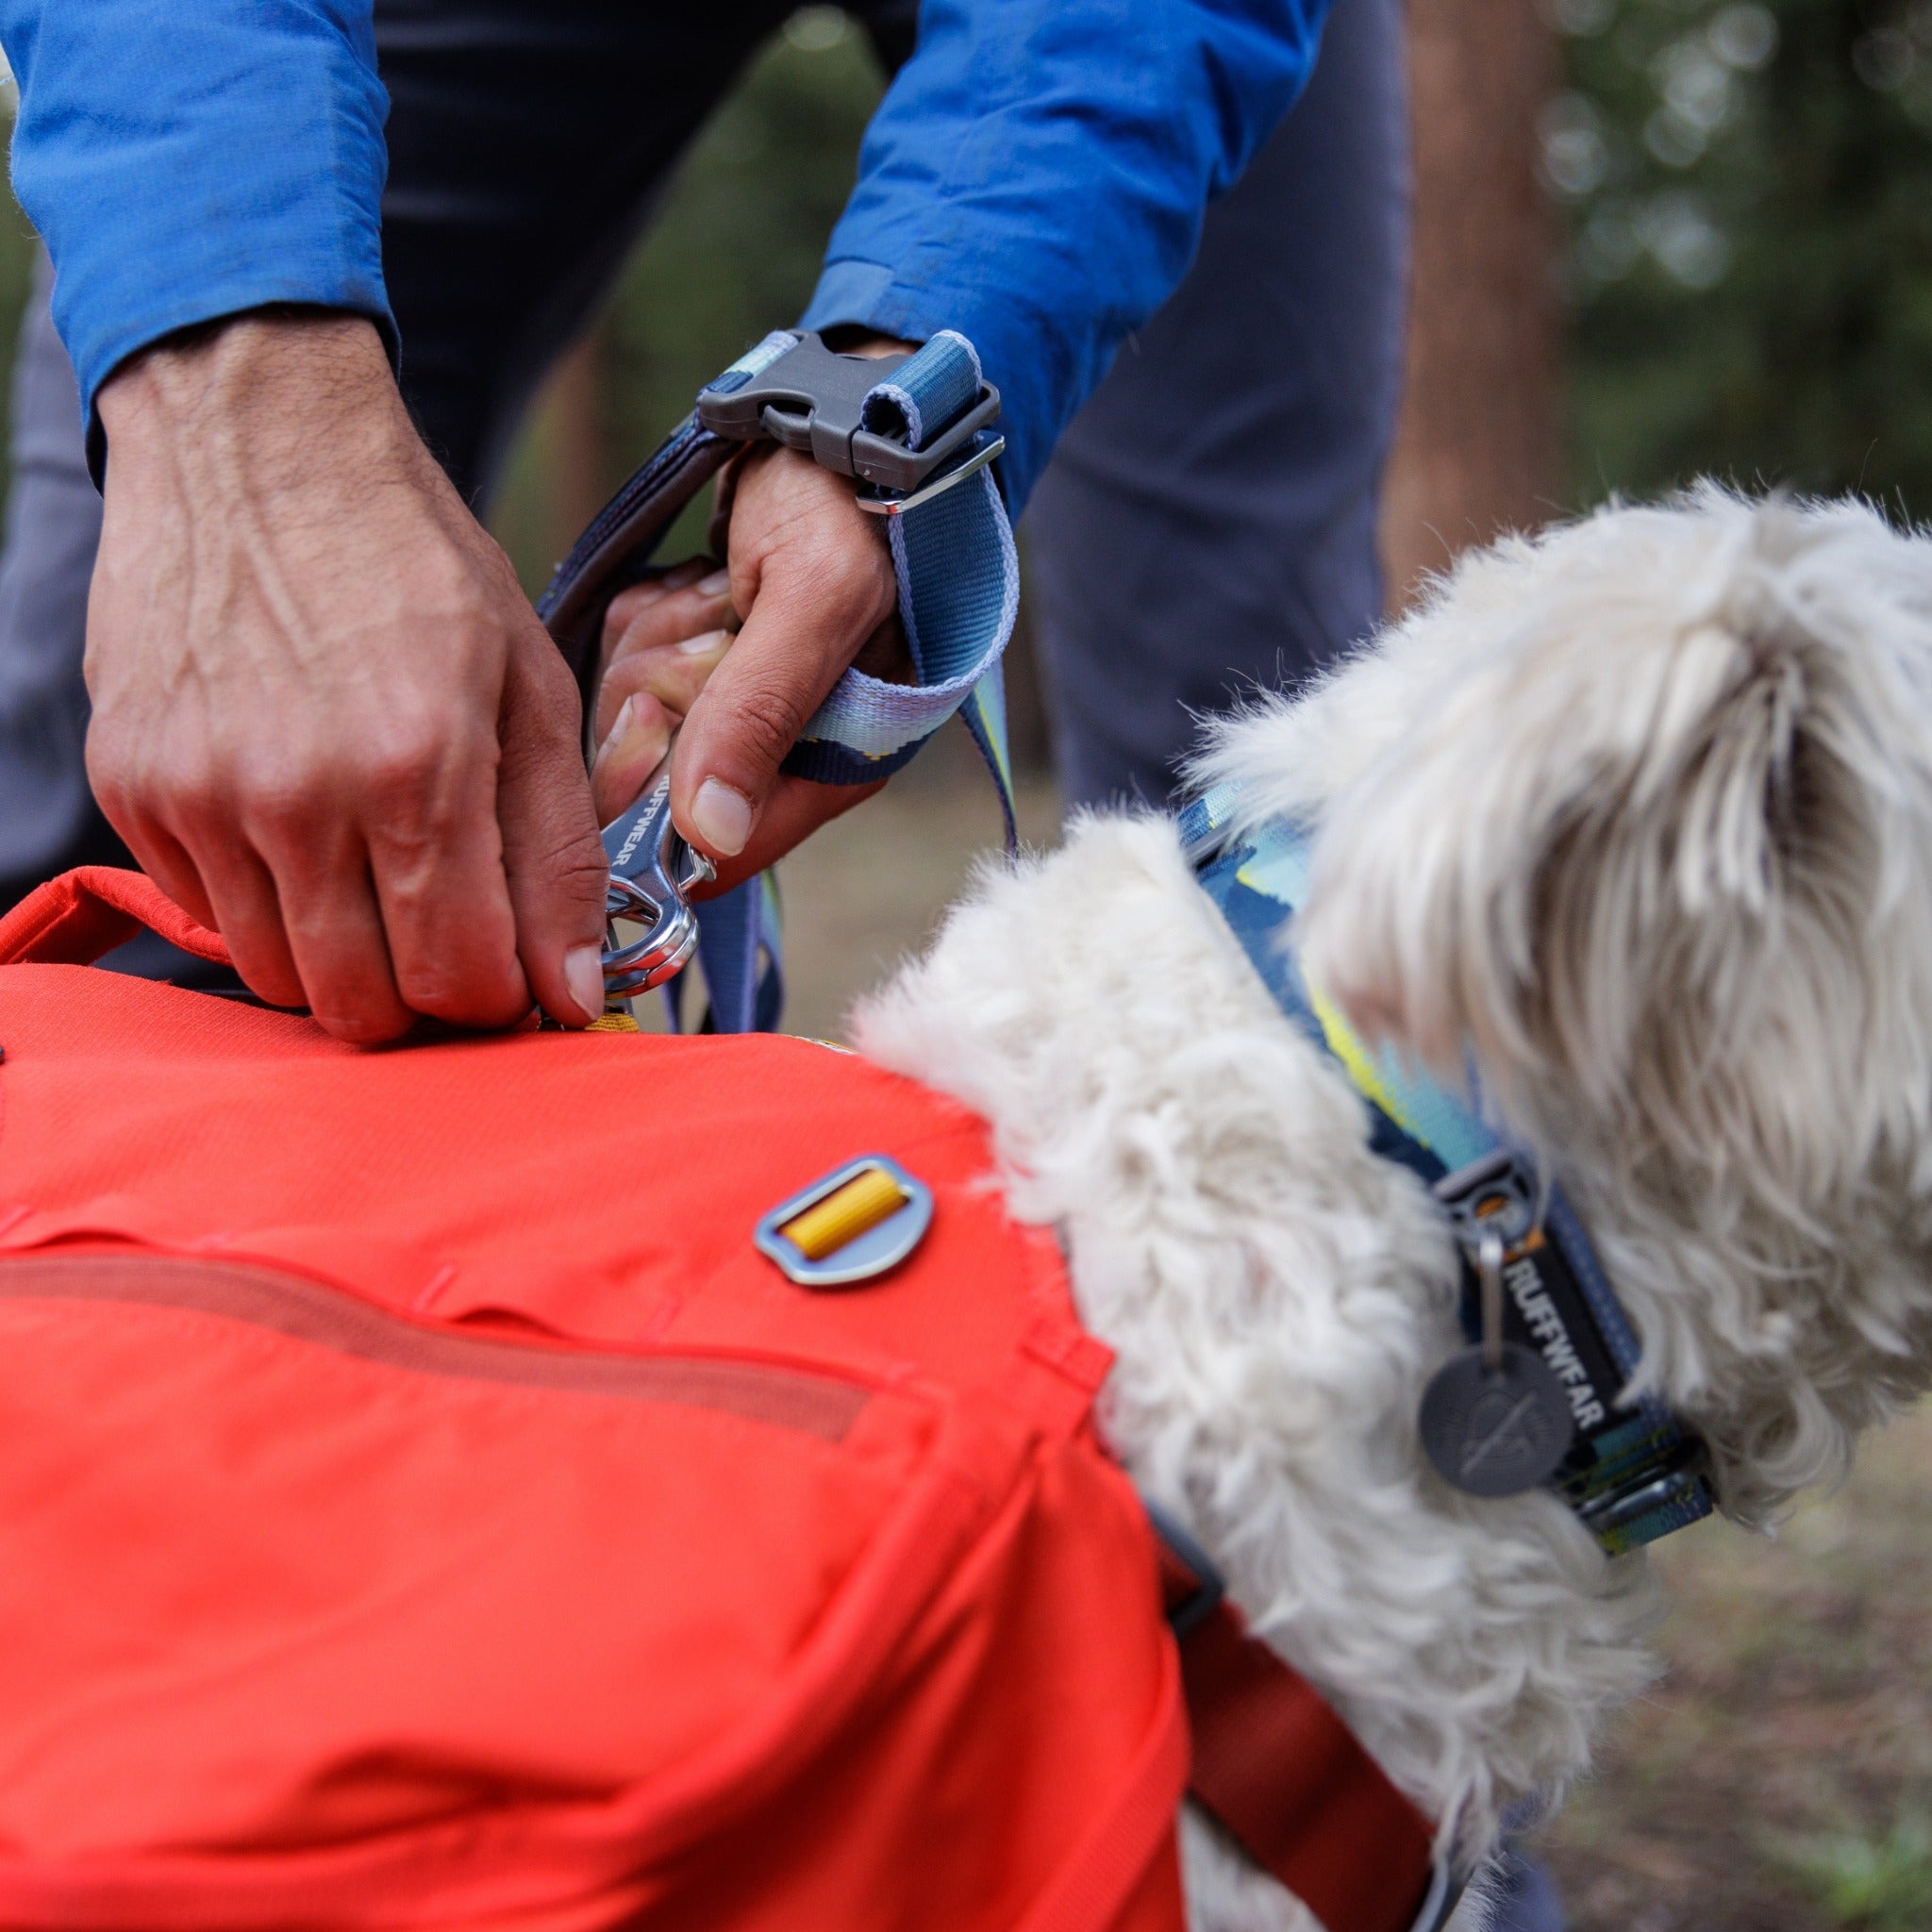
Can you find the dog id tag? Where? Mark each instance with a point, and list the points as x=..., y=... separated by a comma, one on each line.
x=1496, y=1431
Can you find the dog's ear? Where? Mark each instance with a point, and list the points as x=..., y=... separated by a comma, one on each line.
x=1650, y=835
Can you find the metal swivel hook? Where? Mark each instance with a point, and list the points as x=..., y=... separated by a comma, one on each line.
x=652, y=874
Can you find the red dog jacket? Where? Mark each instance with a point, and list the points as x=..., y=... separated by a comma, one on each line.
x=426, y=1505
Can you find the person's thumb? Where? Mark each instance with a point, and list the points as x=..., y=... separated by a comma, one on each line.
x=803, y=630
x=553, y=857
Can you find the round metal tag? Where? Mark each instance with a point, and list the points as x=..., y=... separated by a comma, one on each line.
x=1496, y=1432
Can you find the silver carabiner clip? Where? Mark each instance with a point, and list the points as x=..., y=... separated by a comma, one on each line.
x=652, y=872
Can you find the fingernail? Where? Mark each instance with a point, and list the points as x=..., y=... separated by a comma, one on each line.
x=722, y=817
x=716, y=584
x=649, y=591
x=583, y=973
x=710, y=641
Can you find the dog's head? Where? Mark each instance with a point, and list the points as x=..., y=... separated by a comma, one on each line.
x=1636, y=816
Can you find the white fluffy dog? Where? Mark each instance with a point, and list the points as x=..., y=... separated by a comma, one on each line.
x=1636, y=819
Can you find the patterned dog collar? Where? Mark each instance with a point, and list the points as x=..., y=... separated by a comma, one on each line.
x=1540, y=1397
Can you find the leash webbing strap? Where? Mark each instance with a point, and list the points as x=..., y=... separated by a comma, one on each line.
x=953, y=558
x=1281, y=1773
x=958, y=585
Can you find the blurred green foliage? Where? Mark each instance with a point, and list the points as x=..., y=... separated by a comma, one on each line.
x=1750, y=259
x=1881, y=1884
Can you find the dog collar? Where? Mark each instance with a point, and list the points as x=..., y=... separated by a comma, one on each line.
x=1631, y=1470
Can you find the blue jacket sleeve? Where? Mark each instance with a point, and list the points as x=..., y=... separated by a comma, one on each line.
x=1037, y=175
x=185, y=162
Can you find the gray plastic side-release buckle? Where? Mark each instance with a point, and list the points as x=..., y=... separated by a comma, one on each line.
x=811, y=400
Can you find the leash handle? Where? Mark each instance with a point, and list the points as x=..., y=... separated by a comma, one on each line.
x=951, y=546
x=619, y=541
x=77, y=918
x=917, y=420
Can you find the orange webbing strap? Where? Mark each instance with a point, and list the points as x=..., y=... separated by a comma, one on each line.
x=1287, y=1779
x=73, y=919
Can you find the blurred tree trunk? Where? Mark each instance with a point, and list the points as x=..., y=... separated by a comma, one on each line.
x=1477, y=449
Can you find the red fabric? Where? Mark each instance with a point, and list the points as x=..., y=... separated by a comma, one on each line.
x=422, y=1506
x=73, y=919
x=1289, y=1781
x=1277, y=1766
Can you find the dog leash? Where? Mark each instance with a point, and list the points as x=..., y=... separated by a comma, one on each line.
x=1538, y=1397
x=914, y=433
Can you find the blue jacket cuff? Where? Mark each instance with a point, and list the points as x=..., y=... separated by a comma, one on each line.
x=1037, y=176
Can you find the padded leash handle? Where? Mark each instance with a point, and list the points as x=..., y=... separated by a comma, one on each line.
x=82, y=915
x=618, y=544
x=919, y=420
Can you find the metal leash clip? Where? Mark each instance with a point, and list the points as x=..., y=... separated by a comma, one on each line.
x=653, y=872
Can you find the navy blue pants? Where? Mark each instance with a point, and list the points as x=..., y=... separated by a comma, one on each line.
x=1208, y=525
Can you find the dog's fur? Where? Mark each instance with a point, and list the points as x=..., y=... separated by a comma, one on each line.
x=1638, y=814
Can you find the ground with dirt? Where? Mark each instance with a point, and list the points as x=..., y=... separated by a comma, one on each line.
x=1779, y=1777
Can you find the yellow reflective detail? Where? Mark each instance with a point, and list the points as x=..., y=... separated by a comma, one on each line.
x=1346, y=1047
x=855, y=1208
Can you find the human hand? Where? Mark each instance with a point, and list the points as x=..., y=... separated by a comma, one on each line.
x=325, y=717
x=663, y=637
x=668, y=639
x=812, y=579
